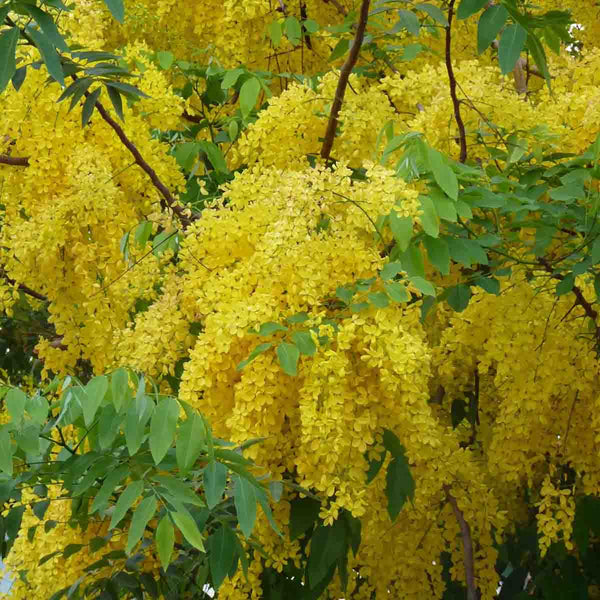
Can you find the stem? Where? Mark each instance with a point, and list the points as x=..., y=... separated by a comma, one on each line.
x=343, y=80
x=26, y=290
x=14, y=161
x=167, y=201
x=472, y=591
x=455, y=102
x=590, y=311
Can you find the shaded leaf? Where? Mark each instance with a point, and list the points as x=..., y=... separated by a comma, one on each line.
x=165, y=541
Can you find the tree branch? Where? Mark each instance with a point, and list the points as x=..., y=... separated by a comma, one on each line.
x=26, y=290
x=465, y=530
x=455, y=102
x=580, y=300
x=339, y=7
x=343, y=80
x=15, y=161
x=168, y=201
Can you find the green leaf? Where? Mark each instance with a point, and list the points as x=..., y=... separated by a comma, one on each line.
x=490, y=23
x=178, y=490
x=76, y=91
x=304, y=512
x=390, y=270
x=400, y=485
x=165, y=541
x=48, y=54
x=46, y=24
x=188, y=527
x=434, y=12
x=512, y=42
x=245, y=504
x=429, y=217
x=442, y=173
x=117, y=9
x=469, y=7
x=143, y=232
x=288, y=355
x=438, y=254
x=412, y=261
x=89, y=105
x=310, y=26
x=128, y=90
x=116, y=100
x=165, y=240
x=215, y=479
x=141, y=516
x=28, y=439
x=190, y=443
x=162, y=427
x=71, y=549
x=8, y=47
x=131, y=493
x=18, y=78
x=270, y=327
x=379, y=299
x=565, y=285
x=6, y=452
x=392, y=443
x=424, y=286
x=258, y=350
x=397, y=291
x=458, y=297
x=249, y=95
x=293, y=30
x=304, y=342
x=345, y=294
x=37, y=406
x=119, y=384
x=95, y=391
x=327, y=545
x=215, y=156
x=138, y=415
x=222, y=548
x=402, y=228
x=113, y=479
x=340, y=49
x=410, y=21
x=15, y=404
x=275, y=32
x=489, y=284
x=165, y=59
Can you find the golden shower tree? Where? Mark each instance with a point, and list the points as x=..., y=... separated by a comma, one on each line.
x=358, y=240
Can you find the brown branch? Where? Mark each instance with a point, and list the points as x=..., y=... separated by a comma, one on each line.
x=343, y=80
x=15, y=161
x=465, y=530
x=189, y=117
x=589, y=310
x=339, y=7
x=455, y=102
x=168, y=201
x=26, y=290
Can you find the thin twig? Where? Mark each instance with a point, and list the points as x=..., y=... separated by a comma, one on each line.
x=343, y=80
x=14, y=161
x=465, y=530
x=590, y=311
x=339, y=7
x=455, y=102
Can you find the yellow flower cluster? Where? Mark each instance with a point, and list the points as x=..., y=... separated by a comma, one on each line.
x=555, y=516
x=280, y=242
